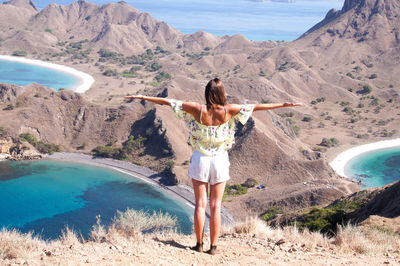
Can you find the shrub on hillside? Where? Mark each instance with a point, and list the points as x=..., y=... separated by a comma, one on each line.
x=329, y=142
x=162, y=76
x=19, y=53
x=271, y=212
x=235, y=190
x=250, y=182
x=42, y=147
x=366, y=89
x=327, y=219
x=110, y=73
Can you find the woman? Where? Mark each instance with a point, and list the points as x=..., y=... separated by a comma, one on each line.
x=212, y=129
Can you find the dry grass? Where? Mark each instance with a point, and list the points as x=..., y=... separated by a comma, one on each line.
x=125, y=237
x=14, y=245
x=351, y=238
x=132, y=222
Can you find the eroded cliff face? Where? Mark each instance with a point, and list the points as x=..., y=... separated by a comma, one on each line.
x=5, y=145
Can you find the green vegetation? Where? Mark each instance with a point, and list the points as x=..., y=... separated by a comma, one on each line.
x=350, y=75
x=265, y=101
x=366, y=89
x=19, y=53
x=295, y=128
x=235, y=190
x=110, y=73
x=307, y=119
x=286, y=114
x=3, y=131
x=104, y=53
x=128, y=147
x=373, y=76
x=329, y=142
x=318, y=100
x=153, y=67
x=271, y=212
x=9, y=107
x=369, y=65
x=169, y=164
x=78, y=45
x=48, y=30
x=283, y=66
x=262, y=73
x=42, y=147
x=162, y=76
x=250, y=182
x=131, y=72
x=327, y=219
x=82, y=147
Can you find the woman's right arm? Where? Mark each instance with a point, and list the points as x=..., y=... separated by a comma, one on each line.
x=157, y=100
x=189, y=107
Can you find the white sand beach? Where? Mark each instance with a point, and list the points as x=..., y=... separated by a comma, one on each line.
x=86, y=80
x=339, y=163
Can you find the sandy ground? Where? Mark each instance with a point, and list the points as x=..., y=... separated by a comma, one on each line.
x=180, y=192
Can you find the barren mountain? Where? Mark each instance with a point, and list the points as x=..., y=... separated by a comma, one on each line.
x=345, y=71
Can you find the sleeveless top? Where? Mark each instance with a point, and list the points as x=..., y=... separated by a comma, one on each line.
x=212, y=140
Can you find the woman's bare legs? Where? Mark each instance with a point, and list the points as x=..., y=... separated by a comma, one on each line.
x=216, y=193
x=200, y=193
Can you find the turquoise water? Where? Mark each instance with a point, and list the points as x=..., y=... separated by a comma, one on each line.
x=375, y=169
x=257, y=20
x=47, y=195
x=23, y=74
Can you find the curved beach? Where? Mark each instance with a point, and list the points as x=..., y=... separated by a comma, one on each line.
x=86, y=80
x=183, y=193
x=339, y=163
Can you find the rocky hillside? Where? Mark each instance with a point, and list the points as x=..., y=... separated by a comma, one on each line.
x=349, y=86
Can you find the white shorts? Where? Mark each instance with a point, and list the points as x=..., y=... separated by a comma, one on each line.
x=209, y=169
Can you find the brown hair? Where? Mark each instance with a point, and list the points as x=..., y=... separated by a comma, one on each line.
x=215, y=93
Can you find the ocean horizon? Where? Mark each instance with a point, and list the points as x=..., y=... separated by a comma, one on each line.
x=279, y=20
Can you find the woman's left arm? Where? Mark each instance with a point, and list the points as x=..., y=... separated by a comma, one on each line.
x=268, y=106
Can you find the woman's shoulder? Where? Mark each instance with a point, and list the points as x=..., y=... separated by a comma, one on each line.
x=233, y=109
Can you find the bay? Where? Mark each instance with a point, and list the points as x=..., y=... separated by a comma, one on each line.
x=23, y=74
x=46, y=196
x=376, y=168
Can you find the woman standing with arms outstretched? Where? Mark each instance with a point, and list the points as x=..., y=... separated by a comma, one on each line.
x=212, y=129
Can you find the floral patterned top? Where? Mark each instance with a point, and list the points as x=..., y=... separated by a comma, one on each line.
x=212, y=140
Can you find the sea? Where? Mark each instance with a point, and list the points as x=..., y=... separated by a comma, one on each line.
x=23, y=74
x=376, y=168
x=46, y=196
x=255, y=19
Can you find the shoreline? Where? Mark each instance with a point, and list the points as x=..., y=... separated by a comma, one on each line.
x=181, y=193
x=339, y=163
x=86, y=80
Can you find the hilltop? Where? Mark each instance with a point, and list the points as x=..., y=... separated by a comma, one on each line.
x=345, y=70
x=251, y=242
